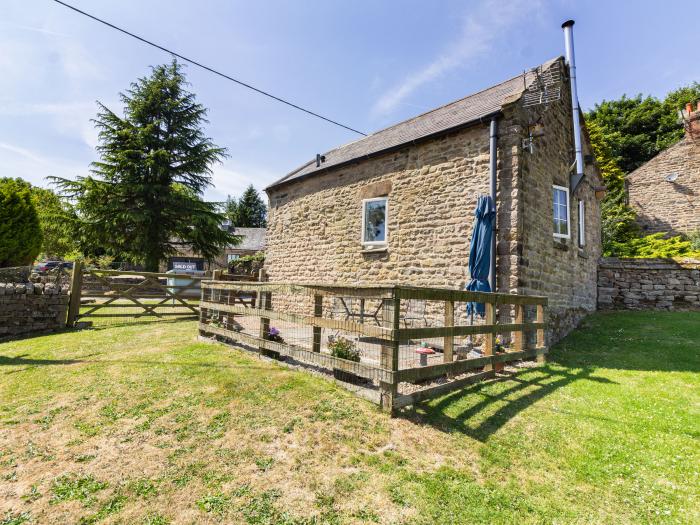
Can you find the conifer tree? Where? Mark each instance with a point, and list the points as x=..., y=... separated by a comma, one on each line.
x=144, y=196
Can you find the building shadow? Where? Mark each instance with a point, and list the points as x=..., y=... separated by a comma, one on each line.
x=489, y=405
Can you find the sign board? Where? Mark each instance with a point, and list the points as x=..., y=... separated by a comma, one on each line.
x=184, y=265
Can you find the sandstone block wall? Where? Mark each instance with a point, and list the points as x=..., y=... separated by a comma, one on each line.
x=648, y=284
x=31, y=308
x=664, y=206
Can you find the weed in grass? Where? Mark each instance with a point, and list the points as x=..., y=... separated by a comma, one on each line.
x=218, y=425
x=143, y=487
x=366, y=516
x=264, y=463
x=155, y=519
x=86, y=428
x=72, y=487
x=291, y=425
x=11, y=518
x=261, y=510
x=214, y=503
x=32, y=495
x=85, y=458
x=111, y=506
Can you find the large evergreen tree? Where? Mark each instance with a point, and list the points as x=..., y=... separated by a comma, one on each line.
x=144, y=195
x=247, y=212
x=20, y=233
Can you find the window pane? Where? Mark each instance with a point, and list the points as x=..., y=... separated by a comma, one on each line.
x=375, y=218
x=561, y=212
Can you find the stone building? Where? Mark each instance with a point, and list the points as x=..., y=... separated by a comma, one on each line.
x=397, y=206
x=252, y=242
x=665, y=192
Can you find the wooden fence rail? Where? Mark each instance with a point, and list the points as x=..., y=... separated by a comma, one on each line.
x=385, y=331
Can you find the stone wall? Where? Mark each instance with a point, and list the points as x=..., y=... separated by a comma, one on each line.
x=31, y=308
x=665, y=206
x=558, y=268
x=648, y=284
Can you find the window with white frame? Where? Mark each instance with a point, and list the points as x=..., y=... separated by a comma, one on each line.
x=232, y=257
x=561, y=212
x=374, y=221
x=581, y=223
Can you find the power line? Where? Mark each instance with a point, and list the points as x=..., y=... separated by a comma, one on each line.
x=211, y=70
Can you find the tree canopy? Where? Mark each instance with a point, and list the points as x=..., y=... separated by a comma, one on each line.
x=249, y=211
x=144, y=197
x=57, y=221
x=638, y=128
x=20, y=233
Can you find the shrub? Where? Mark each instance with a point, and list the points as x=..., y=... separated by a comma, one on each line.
x=273, y=334
x=248, y=264
x=653, y=246
x=345, y=349
x=20, y=232
x=694, y=239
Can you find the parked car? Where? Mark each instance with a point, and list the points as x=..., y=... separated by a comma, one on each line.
x=46, y=266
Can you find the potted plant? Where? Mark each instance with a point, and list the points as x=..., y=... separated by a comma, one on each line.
x=499, y=348
x=273, y=334
x=345, y=349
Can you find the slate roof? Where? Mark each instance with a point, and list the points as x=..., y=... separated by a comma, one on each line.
x=450, y=116
x=252, y=238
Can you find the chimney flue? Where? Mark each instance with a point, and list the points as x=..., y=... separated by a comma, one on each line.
x=568, y=28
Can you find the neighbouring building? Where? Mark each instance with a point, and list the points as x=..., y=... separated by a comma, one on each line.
x=397, y=206
x=665, y=192
x=252, y=242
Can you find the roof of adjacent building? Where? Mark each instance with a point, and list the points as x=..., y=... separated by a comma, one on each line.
x=251, y=238
x=451, y=116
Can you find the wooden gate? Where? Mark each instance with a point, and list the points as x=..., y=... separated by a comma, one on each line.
x=99, y=293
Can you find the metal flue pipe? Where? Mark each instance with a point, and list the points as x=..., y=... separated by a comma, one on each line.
x=493, y=164
x=568, y=27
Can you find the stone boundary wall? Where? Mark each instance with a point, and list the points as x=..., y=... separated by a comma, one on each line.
x=648, y=284
x=31, y=308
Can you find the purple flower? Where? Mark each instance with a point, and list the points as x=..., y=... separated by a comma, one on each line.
x=274, y=332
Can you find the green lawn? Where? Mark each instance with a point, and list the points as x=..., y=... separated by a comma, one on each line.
x=140, y=423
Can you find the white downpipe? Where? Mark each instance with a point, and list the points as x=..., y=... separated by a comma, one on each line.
x=568, y=27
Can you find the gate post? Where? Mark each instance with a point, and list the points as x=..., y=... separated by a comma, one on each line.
x=76, y=282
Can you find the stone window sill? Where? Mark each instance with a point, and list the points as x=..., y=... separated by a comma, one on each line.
x=582, y=254
x=559, y=245
x=374, y=249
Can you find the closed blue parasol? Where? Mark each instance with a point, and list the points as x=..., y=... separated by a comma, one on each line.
x=480, y=251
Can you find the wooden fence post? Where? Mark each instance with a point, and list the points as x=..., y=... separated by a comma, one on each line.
x=264, y=303
x=216, y=274
x=76, y=283
x=490, y=340
x=540, y=332
x=318, y=312
x=390, y=354
x=519, y=336
x=449, y=340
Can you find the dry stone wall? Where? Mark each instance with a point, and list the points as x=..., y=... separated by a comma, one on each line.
x=27, y=308
x=648, y=284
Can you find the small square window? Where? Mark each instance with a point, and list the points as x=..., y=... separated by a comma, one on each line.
x=232, y=257
x=561, y=212
x=374, y=221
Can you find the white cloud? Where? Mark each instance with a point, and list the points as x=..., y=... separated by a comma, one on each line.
x=481, y=28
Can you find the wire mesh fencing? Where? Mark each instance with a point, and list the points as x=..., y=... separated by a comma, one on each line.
x=391, y=340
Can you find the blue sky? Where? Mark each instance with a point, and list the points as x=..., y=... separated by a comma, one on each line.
x=365, y=63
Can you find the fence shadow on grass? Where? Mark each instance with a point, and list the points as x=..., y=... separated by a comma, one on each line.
x=482, y=409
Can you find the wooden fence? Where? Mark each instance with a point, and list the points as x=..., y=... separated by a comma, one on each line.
x=393, y=351
x=116, y=294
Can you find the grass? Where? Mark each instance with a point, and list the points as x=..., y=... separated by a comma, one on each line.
x=140, y=423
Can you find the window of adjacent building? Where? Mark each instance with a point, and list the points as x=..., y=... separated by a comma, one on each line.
x=374, y=220
x=232, y=257
x=581, y=223
x=561, y=212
